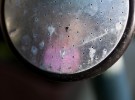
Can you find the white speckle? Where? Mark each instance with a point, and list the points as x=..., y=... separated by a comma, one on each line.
x=35, y=35
x=42, y=66
x=104, y=52
x=96, y=58
x=92, y=53
x=51, y=30
x=80, y=67
x=89, y=61
x=93, y=10
x=118, y=26
x=14, y=34
x=112, y=30
x=62, y=53
x=36, y=19
x=41, y=45
x=89, y=8
x=34, y=50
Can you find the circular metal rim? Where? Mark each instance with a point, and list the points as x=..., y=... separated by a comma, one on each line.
x=90, y=73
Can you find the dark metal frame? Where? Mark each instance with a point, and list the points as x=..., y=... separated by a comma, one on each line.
x=96, y=70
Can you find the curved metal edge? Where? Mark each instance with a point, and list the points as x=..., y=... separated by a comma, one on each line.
x=122, y=45
x=97, y=70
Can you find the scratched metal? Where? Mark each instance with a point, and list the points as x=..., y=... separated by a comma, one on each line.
x=66, y=36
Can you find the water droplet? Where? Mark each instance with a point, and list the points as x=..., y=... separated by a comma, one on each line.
x=51, y=30
x=92, y=52
x=41, y=45
x=35, y=35
x=36, y=19
x=34, y=50
x=25, y=40
x=104, y=52
x=118, y=26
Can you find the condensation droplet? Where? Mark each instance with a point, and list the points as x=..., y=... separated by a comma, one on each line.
x=41, y=45
x=34, y=50
x=92, y=52
x=104, y=52
x=25, y=40
x=51, y=30
x=36, y=19
x=118, y=26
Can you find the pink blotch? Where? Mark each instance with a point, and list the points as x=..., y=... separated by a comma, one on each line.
x=69, y=63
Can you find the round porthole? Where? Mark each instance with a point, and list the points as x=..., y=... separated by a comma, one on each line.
x=68, y=40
